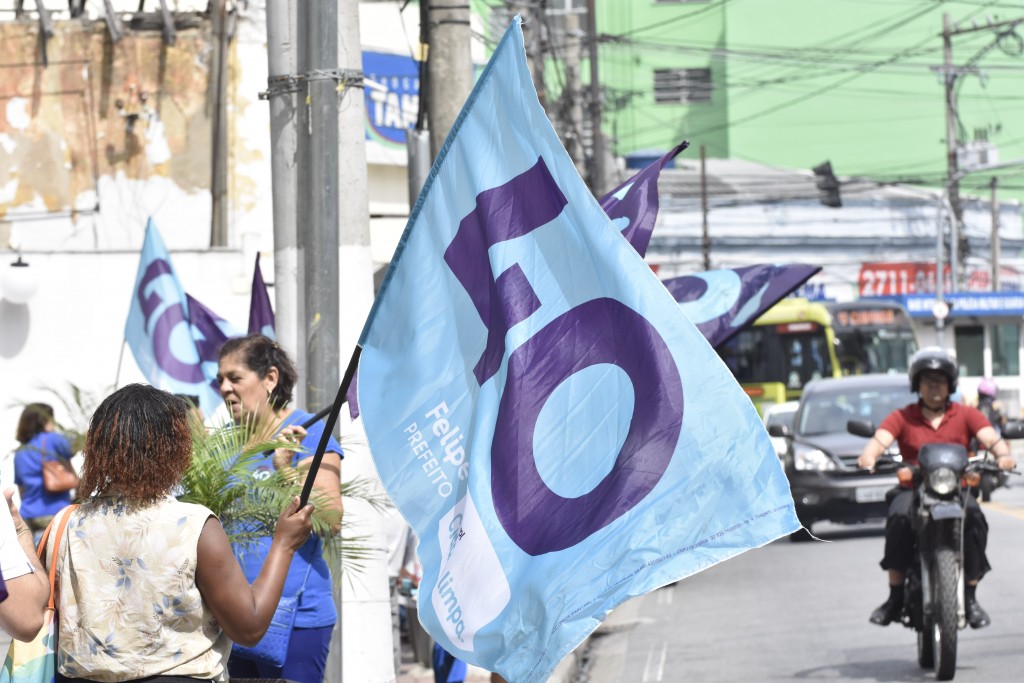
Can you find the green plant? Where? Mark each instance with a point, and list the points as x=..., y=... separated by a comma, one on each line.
x=248, y=504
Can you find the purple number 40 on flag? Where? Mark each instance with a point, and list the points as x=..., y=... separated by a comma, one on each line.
x=600, y=331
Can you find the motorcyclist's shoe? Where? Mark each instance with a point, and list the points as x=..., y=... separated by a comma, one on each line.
x=888, y=612
x=976, y=616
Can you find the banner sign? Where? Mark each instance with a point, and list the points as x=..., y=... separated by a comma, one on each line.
x=391, y=111
x=560, y=437
x=967, y=304
x=907, y=278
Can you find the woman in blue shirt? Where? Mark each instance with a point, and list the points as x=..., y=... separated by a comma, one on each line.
x=39, y=442
x=256, y=378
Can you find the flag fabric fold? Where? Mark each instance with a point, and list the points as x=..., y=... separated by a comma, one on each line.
x=261, y=314
x=722, y=302
x=172, y=337
x=633, y=205
x=560, y=437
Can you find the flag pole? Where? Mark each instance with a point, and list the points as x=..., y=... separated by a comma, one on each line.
x=332, y=420
x=120, y=359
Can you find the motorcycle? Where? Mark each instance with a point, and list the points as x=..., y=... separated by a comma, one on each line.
x=934, y=586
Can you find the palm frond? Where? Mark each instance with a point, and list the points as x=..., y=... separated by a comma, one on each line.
x=248, y=505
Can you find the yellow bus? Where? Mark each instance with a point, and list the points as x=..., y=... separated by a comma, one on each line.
x=798, y=340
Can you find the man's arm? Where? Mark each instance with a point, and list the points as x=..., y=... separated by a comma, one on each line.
x=988, y=437
x=874, y=448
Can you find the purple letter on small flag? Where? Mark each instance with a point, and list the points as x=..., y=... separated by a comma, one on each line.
x=261, y=315
x=636, y=201
x=163, y=335
x=722, y=302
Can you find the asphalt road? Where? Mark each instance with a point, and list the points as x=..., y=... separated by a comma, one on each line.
x=799, y=612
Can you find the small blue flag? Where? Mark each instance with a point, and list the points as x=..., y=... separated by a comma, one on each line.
x=171, y=347
x=558, y=434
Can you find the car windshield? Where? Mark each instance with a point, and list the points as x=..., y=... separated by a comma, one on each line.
x=781, y=416
x=827, y=412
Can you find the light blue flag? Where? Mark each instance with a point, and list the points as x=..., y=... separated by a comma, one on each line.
x=173, y=351
x=558, y=434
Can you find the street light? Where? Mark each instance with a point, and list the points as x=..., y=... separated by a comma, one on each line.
x=19, y=283
x=941, y=308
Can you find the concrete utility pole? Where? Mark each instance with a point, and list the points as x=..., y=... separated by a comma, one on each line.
x=317, y=219
x=953, y=185
x=449, y=64
x=950, y=73
x=573, y=132
x=994, y=183
x=356, y=274
x=598, y=170
x=705, y=237
x=534, y=29
x=283, y=96
x=364, y=603
x=219, y=158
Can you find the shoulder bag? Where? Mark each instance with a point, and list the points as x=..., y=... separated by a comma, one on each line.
x=36, y=660
x=58, y=476
x=272, y=650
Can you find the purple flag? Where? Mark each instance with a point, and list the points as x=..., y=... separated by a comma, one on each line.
x=210, y=331
x=722, y=302
x=636, y=201
x=261, y=315
x=352, y=397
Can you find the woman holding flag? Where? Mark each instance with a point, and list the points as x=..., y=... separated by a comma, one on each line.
x=256, y=378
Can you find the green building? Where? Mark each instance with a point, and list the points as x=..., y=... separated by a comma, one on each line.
x=793, y=83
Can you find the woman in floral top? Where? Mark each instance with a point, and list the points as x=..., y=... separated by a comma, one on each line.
x=149, y=586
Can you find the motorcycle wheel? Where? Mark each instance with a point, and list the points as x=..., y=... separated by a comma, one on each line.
x=926, y=645
x=944, y=618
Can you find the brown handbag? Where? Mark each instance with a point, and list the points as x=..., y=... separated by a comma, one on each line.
x=58, y=477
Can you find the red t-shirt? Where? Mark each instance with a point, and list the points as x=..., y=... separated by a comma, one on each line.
x=913, y=430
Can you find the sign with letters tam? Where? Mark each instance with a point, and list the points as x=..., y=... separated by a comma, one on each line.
x=722, y=302
x=558, y=434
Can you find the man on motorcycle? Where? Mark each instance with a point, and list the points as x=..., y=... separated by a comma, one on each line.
x=933, y=419
x=989, y=405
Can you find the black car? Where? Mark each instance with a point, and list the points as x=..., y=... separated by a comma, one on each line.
x=821, y=455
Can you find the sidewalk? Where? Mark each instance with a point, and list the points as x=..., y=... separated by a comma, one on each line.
x=414, y=672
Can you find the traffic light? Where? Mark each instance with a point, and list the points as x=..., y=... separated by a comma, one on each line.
x=828, y=186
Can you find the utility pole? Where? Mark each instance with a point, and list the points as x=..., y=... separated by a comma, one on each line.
x=367, y=601
x=956, y=214
x=449, y=64
x=958, y=243
x=995, y=235
x=705, y=237
x=317, y=219
x=219, y=157
x=535, y=30
x=571, y=97
x=283, y=97
x=598, y=172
